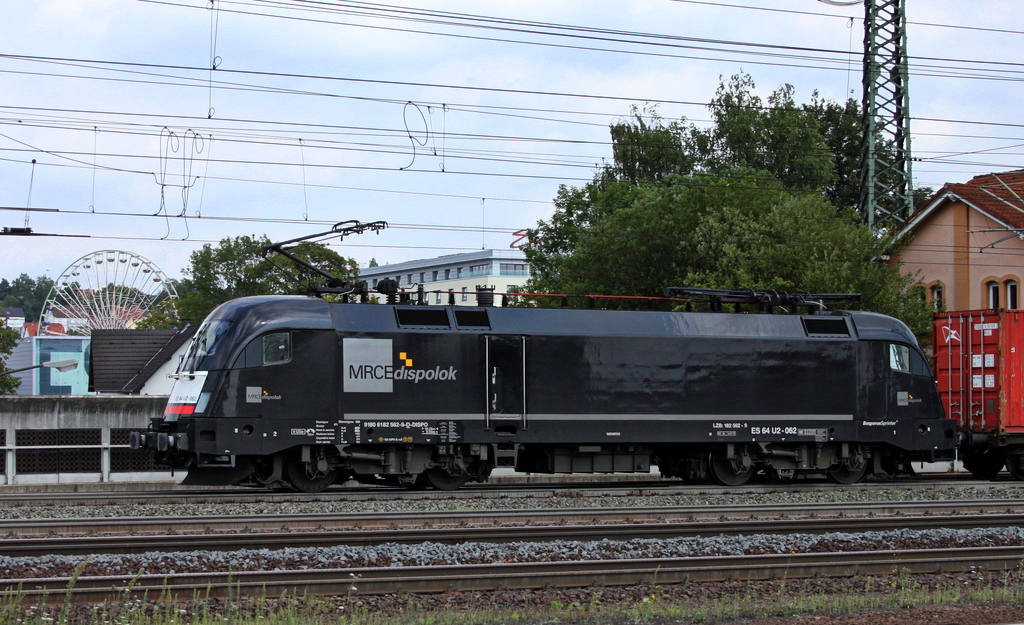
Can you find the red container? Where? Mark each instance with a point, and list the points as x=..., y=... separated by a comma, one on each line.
x=979, y=364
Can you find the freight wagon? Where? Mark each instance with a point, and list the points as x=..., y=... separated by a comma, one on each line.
x=979, y=365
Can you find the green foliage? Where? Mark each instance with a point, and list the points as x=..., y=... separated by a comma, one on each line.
x=236, y=268
x=27, y=294
x=762, y=199
x=646, y=150
x=839, y=125
x=774, y=136
x=162, y=316
x=8, y=341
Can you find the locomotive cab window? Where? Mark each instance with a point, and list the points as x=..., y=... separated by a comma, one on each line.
x=899, y=357
x=269, y=349
x=205, y=345
x=277, y=348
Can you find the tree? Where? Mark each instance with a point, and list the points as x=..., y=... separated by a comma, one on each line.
x=8, y=341
x=812, y=146
x=236, y=268
x=161, y=316
x=839, y=125
x=776, y=136
x=27, y=294
x=755, y=201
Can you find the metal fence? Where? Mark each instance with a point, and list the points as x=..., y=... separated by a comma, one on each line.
x=75, y=439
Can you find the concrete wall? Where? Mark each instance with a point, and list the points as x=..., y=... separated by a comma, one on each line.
x=75, y=439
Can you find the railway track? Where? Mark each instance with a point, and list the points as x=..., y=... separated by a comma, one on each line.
x=498, y=490
x=485, y=577
x=129, y=535
x=36, y=537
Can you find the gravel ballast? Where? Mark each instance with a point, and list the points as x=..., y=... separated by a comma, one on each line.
x=558, y=500
x=428, y=554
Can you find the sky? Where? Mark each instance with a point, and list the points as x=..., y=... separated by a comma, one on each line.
x=454, y=121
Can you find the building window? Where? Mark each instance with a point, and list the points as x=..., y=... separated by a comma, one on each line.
x=479, y=270
x=447, y=274
x=398, y=279
x=410, y=278
x=434, y=279
x=514, y=269
x=438, y=297
x=992, y=288
x=465, y=293
x=458, y=272
x=422, y=279
x=938, y=297
x=1011, y=294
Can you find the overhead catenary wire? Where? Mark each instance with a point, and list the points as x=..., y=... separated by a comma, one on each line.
x=472, y=88
x=572, y=32
x=270, y=162
x=828, y=249
x=843, y=17
x=453, y=136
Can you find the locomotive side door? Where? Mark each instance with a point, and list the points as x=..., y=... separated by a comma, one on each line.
x=505, y=364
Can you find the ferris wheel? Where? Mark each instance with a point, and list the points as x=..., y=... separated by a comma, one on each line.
x=105, y=290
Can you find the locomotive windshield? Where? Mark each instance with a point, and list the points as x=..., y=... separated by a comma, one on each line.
x=204, y=347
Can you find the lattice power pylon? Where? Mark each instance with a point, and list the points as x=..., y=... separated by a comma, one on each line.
x=887, y=194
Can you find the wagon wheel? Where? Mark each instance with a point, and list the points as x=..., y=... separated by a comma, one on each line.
x=305, y=477
x=984, y=466
x=1015, y=465
x=845, y=474
x=725, y=473
x=443, y=480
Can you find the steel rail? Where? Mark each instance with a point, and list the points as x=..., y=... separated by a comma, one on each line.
x=285, y=538
x=120, y=525
x=502, y=576
x=504, y=489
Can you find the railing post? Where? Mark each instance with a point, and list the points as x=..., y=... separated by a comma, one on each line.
x=105, y=454
x=9, y=454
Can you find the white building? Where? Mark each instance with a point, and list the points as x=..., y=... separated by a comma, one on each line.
x=13, y=318
x=506, y=271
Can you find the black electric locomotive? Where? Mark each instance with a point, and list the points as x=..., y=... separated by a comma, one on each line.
x=285, y=391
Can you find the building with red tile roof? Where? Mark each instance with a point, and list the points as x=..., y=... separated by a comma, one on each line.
x=967, y=243
x=30, y=329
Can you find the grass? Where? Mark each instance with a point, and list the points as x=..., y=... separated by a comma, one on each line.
x=655, y=605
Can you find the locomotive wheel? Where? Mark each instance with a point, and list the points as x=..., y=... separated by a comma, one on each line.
x=723, y=472
x=1015, y=465
x=306, y=478
x=844, y=474
x=442, y=480
x=984, y=466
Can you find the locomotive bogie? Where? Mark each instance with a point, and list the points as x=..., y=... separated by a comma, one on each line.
x=298, y=392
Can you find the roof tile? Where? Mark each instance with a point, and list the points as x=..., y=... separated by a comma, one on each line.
x=1001, y=195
